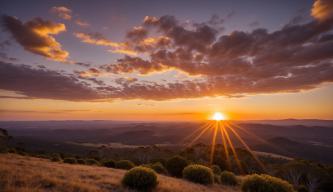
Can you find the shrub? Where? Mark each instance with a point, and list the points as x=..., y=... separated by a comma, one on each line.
x=216, y=169
x=81, y=161
x=217, y=179
x=198, y=174
x=228, y=178
x=159, y=168
x=140, y=178
x=55, y=157
x=124, y=164
x=265, y=183
x=109, y=163
x=91, y=162
x=175, y=165
x=12, y=150
x=70, y=160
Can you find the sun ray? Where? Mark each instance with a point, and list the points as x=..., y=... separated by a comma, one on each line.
x=246, y=146
x=256, y=137
x=212, y=151
x=198, y=136
x=195, y=132
x=226, y=151
x=232, y=148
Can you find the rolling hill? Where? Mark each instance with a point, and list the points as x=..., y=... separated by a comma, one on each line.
x=22, y=173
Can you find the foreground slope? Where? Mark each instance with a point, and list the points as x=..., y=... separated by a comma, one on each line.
x=22, y=173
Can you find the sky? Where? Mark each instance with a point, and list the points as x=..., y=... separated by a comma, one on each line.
x=166, y=60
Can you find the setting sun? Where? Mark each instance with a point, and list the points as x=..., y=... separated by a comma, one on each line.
x=218, y=116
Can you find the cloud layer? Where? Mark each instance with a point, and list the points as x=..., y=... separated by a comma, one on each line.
x=43, y=83
x=299, y=56
x=36, y=36
x=294, y=58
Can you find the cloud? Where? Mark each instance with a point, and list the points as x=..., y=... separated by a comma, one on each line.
x=43, y=111
x=299, y=56
x=99, y=39
x=43, y=83
x=91, y=72
x=322, y=10
x=137, y=33
x=82, y=23
x=4, y=56
x=83, y=64
x=62, y=12
x=36, y=36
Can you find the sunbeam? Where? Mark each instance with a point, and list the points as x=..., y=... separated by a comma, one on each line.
x=226, y=151
x=200, y=134
x=195, y=132
x=246, y=146
x=256, y=137
x=232, y=149
x=212, y=151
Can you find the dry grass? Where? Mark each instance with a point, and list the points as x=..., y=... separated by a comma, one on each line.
x=23, y=174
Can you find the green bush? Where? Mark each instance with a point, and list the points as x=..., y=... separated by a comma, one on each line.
x=81, y=161
x=175, y=166
x=198, y=174
x=109, y=163
x=265, y=183
x=124, y=164
x=91, y=162
x=140, y=178
x=228, y=178
x=159, y=168
x=216, y=169
x=70, y=160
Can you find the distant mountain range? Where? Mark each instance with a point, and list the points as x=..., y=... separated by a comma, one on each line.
x=296, y=138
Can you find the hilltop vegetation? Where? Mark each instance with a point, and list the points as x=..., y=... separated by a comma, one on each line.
x=22, y=173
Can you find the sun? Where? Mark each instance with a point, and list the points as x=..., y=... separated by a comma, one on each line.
x=218, y=116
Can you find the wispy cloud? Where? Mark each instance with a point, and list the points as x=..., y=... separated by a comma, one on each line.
x=62, y=12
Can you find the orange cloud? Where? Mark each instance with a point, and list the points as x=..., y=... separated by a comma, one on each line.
x=91, y=72
x=36, y=36
x=99, y=39
x=62, y=12
x=322, y=10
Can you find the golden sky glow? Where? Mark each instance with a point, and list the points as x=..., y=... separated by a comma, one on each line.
x=309, y=104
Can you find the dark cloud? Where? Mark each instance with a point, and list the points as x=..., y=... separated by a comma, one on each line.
x=297, y=57
x=42, y=83
x=5, y=57
x=99, y=39
x=137, y=33
x=83, y=64
x=36, y=36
